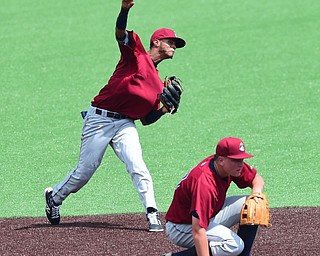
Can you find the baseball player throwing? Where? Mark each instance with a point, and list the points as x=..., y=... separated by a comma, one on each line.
x=200, y=215
x=132, y=93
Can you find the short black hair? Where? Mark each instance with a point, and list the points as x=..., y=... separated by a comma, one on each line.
x=215, y=157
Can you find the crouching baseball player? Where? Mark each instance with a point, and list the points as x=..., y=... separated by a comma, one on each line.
x=200, y=216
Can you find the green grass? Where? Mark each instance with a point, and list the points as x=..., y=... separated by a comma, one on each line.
x=250, y=69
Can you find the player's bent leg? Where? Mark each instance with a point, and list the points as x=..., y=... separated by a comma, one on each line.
x=229, y=215
x=180, y=234
x=223, y=241
x=96, y=135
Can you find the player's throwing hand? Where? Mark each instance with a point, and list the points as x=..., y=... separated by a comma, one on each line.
x=127, y=4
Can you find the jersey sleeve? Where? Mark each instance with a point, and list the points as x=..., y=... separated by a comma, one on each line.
x=128, y=45
x=247, y=175
x=125, y=41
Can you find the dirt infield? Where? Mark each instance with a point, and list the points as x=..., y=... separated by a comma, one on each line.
x=295, y=231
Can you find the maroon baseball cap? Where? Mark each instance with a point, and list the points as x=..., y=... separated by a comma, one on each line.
x=232, y=148
x=163, y=33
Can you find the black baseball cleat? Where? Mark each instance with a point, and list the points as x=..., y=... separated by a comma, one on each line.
x=52, y=210
x=154, y=222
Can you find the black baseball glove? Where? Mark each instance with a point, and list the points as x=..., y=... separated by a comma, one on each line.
x=171, y=94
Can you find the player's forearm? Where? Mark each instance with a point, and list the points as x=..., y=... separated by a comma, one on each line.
x=153, y=116
x=121, y=24
x=201, y=242
x=122, y=19
x=257, y=184
x=200, y=239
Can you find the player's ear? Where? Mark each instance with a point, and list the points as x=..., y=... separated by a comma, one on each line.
x=220, y=160
x=156, y=43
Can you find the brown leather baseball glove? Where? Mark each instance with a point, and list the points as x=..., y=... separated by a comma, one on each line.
x=255, y=211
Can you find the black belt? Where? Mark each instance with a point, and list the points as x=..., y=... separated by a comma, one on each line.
x=110, y=114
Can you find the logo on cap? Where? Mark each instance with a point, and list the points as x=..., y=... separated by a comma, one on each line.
x=232, y=148
x=241, y=147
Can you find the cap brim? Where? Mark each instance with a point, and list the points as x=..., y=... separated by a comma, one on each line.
x=241, y=156
x=179, y=41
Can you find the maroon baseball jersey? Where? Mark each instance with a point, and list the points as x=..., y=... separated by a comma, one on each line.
x=134, y=86
x=203, y=191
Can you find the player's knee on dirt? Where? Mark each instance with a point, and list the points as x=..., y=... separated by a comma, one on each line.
x=227, y=247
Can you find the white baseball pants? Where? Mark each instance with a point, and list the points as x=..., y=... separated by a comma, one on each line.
x=222, y=240
x=98, y=132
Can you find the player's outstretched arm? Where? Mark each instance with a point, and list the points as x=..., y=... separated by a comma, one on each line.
x=257, y=184
x=121, y=22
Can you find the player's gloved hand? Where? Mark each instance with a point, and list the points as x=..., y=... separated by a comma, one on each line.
x=171, y=94
x=255, y=211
